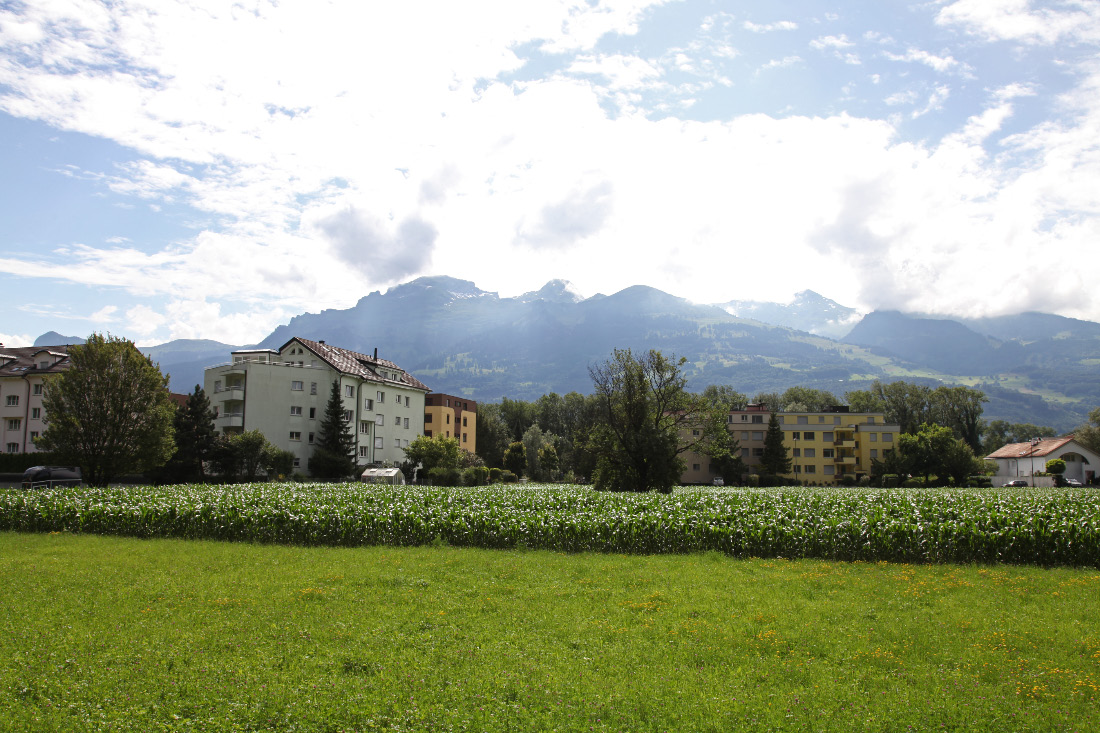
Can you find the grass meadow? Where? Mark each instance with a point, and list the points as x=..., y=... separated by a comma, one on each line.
x=113, y=633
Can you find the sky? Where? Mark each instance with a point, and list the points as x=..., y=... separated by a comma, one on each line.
x=208, y=169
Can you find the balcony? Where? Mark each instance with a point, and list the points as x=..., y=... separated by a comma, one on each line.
x=231, y=392
x=230, y=420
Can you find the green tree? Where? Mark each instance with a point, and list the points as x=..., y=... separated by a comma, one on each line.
x=518, y=415
x=437, y=451
x=243, y=456
x=776, y=461
x=902, y=403
x=646, y=418
x=725, y=453
x=515, y=458
x=195, y=436
x=1056, y=467
x=548, y=460
x=924, y=451
x=724, y=397
x=804, y=399
x=960, y=408
x=493, y=435
x=999, y=433
x=334, y=451
x=110, y=412
x=1088, y=435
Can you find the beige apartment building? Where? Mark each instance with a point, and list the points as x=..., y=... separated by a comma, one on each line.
x=824, y=447
x=451, y=417
x=283, y=393
x=23, y=370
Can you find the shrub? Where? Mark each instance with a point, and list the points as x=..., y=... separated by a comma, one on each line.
x=475, y=476
x=495, y=475
x=445, y=476
x=508, y=477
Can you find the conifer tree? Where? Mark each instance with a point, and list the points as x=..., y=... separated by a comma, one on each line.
x=195, y=435
x=775, y=461
x=334, y=452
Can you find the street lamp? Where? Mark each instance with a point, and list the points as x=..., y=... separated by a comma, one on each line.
x=1034, y=443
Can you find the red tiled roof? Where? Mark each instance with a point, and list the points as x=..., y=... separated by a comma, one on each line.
x=1043, y=447
x=365, y=367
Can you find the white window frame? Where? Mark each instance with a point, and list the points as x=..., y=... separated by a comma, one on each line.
x=296, y=386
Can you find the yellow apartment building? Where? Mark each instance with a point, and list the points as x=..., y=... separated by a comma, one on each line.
x=451, y=417
x=824, y=447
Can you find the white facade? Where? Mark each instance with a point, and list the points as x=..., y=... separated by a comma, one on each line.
x=283, y=393
x=1023, y=460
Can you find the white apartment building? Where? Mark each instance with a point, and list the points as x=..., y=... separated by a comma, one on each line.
x=283, y=393
x=23, y=370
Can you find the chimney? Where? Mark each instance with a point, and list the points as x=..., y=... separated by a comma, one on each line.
x=322, y=342
x=376, y=353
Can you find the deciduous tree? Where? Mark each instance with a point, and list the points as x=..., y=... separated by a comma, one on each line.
x=110, y=412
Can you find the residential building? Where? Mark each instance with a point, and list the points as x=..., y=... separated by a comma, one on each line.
x=1024, y=460
x=451, y=417
x=824, y=447
x=283, y=393
x=23, y=370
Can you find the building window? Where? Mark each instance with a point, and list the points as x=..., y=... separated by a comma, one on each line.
x=744, y=418
x=311, y=438
x=381, y=397
x=798, y=469
x=363, y=451
x=297, y=462
x=757, y=435
x=874, y=453
x=347, y=415
x=803, y=420
x=34, y=434
x=808, y=436
x=744, y=452
x=887, y=437
x=364, y=426
x=464, y=437
x=871, y=420
x=15, y=423
x=13, y=400
x=37, y=389
x=757, y=452
x=874, y=437
x=810, y=453
x=296, y=410
x=758, y=418
x=464, y=421
x=828, y=437
x=295, y=435
x=427, y=417
x=406, y=423
x=36, y=413
x=744, y=435
x=811, y=469
x=696, y=467
x=448, y=418
x=368, y=404
x=13, y=447
x=378, y=442
x=427, y=433
x=296, y=386
x=796, y=435
x=313, y=388
x=349, y=391
x=313, y=413
x=796, y=452
x=406, y=401
x=379, y=419
x=830, y=470
x=828, y=453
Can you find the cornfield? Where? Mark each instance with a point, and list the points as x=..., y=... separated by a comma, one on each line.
x=1030, y=526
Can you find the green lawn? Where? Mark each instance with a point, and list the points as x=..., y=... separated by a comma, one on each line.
x=103, y=633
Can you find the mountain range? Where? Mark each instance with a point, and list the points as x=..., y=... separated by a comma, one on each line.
x=459, y=339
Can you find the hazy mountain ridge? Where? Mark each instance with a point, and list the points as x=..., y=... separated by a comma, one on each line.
x=460, y=339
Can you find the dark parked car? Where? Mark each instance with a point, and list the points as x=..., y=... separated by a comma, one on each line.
x=47, y=477
x=1017, y=482
x=1071, y=482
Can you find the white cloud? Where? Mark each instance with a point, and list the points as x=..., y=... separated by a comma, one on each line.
x=1017, y=20
x=13, y=339
x=939, y=63
x=781, y=25
x=400, y=149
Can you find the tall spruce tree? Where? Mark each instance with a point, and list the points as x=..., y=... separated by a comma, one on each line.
x=775, y=461
x=334, y=451
x=195, y=435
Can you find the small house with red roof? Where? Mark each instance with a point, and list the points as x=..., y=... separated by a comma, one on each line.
x=1023, y=460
